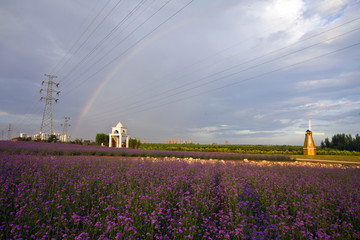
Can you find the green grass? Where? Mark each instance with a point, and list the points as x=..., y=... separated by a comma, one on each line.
x=330, y=157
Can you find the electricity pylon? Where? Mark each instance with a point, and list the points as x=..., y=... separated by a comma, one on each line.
x=47, y=120
x=9, y=132
x=65, y=137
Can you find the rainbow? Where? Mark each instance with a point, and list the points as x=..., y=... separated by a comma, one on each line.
x=103, y=83
x=117, y=68
x=127, y=57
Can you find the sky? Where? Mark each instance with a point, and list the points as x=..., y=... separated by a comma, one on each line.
x=246, y=72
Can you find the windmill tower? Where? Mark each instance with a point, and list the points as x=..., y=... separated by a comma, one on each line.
x=309, y=145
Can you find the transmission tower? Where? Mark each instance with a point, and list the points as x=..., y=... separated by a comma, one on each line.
x=65, y=136
x=9, y=132
x=47, y=120
x=2, y=134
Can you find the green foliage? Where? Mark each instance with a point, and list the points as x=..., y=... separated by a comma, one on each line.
x=247, y=149
x=342, y=142
x=134, y=143
x=77, y=141
x=26, y=139
x=52, y=138
x=102, y=138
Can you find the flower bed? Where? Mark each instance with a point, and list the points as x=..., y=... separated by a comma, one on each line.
x=91, y=197
x=74, y=149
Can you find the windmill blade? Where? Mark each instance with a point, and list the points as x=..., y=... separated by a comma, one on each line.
x=315, y=133
x=300, y=132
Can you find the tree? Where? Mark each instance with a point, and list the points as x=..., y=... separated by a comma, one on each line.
x=342, y=142
x=357, y=142
x=134, y=143
x=78, y=141
x=52, y=138
x=327, y=142
x=322, y=145
x=102, y=138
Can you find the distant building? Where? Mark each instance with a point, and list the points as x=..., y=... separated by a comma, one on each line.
x=36, y=137
x=174, y=141
x=64, y=138
x=23, y=135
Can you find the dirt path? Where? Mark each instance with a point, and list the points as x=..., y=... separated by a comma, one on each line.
x=327, y=161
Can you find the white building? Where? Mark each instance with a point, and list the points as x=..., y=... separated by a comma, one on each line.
x=23, y=135
x=119, y=137
x=64, y=138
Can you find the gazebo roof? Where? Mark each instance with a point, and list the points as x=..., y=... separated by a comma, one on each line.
x=119, y=125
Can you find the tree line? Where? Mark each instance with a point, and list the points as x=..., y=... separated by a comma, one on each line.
x=342, y=142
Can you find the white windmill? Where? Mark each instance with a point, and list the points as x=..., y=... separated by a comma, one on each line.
x=309, y=145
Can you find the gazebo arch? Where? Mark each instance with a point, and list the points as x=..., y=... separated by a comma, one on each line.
x=117, y=134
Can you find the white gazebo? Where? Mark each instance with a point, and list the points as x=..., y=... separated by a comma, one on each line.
x=117, y=134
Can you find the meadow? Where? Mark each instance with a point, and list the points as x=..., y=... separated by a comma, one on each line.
x=47, y=196
x=45, y=148
x=246, y=149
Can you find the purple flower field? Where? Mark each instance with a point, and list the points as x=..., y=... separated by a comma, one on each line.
x=93, y=197
x=75, y=149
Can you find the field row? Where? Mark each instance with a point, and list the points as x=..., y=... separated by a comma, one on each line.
x=245, y=149
x=45, y=148
x=90, y=197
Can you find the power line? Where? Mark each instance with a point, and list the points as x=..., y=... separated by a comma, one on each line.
x=252, y=78
x=233, y=67
x=95, y=29
x=99, y=44
x=165, y=91
x=239, y=81
x=32, y=107
x=91, y=67
x=111, y=50
x=119, y=34
x=254, y=59
x=186, y=84
x=160, y=97
x=77, y=40
x=132, y=46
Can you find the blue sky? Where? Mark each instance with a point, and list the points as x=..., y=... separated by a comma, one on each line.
x=250, y=72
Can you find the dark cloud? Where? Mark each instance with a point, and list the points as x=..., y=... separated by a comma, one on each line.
x=249, y=72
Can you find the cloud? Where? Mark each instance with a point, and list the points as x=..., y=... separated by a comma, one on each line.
x=325, y=108
x=329, y=7
x=246, y=132
x=284, y=121
x=4, y=114
x=329, y=10
x=263, y=133
x=211, y=129
x=258, y=117
x=345, y=79
x=208, y=73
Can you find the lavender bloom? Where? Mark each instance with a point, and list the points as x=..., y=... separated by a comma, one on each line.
x=92, y=197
